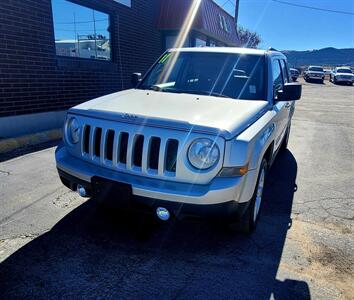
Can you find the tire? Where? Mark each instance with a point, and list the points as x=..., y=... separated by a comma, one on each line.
x=248, y=222
x=284, y=144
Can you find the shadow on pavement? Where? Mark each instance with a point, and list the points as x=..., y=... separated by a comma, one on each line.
x=28, y=149
x=315, y=81
x=92, y=253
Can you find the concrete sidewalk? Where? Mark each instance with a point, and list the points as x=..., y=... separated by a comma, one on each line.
x=12, y=144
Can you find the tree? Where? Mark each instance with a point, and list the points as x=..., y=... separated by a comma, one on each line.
x=249, y=39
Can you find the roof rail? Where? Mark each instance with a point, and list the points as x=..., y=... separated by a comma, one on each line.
x=272, y=49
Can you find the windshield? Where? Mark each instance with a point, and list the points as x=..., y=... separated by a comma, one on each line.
x=218, y=74
x=316, y=69
x=344, y=71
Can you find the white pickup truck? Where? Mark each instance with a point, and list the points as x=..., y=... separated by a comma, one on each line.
x=195, y=137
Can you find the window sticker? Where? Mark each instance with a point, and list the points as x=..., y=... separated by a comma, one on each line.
x=164, y=58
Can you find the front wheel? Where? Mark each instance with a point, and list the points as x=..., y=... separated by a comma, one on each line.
x=247, y=223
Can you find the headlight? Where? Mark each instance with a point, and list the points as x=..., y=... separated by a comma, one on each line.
x=73, y=130
x=203, y=154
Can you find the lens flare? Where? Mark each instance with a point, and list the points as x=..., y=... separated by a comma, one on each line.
x=181, y=39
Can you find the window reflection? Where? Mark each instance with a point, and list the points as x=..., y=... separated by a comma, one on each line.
x=81, y=31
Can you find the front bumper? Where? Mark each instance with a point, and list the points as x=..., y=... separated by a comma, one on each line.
x=230, y=209
x=346, y=80
x=225, y=193
x=314, y=77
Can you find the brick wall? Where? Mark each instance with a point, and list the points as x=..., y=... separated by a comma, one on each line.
x=33, y=79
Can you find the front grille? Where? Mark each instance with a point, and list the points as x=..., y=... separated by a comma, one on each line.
x=130, y=151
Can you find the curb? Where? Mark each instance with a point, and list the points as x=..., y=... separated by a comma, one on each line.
x=11, y=144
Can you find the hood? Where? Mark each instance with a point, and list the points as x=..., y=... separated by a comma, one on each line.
x=207, y=114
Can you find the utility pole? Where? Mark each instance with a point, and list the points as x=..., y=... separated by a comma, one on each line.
x=237, y=6
x=94, y=29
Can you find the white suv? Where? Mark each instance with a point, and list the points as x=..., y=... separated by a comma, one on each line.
x=342, y=75
x=196, y=136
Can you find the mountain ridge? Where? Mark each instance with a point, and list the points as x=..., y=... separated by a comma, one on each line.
x=328, y=56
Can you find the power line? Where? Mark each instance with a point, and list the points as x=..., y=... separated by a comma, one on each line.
x=228, y=1
x=222, y=6
x=82, y=22
x=314, y=8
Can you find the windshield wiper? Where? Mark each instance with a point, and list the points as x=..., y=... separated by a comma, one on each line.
x=180, y=91
x=219, y=95
x=157, y=88
x=216, y=94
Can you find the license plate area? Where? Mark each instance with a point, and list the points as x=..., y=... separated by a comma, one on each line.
x=111, y=190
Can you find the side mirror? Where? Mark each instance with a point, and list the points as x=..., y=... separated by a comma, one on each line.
x=136, y=78
x=290, y=92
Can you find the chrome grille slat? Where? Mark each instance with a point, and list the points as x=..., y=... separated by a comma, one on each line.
x=130, y=151
x=92, y=142
x=162, y=157
x=115, y=150
x=116, y=139
x=146, y=154
x=103, y=146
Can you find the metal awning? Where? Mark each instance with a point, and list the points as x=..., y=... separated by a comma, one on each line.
x=211, y=20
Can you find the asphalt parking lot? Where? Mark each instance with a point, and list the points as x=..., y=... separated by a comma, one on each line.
x=54, y=244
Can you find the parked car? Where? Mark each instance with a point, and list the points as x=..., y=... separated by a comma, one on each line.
x=314, y=73
x=294, y=74
x=189, y=139
x=342, y=75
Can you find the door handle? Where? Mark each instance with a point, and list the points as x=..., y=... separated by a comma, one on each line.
x=287, y=105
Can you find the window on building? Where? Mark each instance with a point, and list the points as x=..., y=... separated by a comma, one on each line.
x=224, y=24
x=81, y=31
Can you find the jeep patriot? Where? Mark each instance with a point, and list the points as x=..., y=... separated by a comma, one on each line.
x=196, y=136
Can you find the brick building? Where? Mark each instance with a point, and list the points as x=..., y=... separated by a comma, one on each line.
x=55, y=54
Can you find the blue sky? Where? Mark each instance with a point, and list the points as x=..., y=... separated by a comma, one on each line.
x=71, y=20
x=293, y=28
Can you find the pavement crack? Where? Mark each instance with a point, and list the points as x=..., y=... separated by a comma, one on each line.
x=6, y=218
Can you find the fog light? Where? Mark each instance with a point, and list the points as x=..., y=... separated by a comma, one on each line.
x=81, y=190
x=162, y=213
